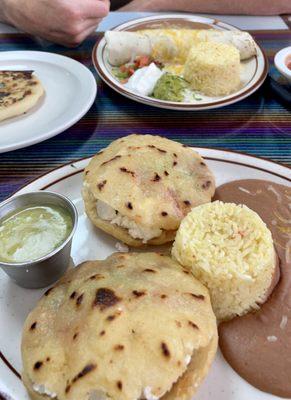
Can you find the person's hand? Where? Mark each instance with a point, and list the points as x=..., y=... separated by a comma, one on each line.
x=67, y=22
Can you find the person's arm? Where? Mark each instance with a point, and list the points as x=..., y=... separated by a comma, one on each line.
x=62, y=21
x=248, y=7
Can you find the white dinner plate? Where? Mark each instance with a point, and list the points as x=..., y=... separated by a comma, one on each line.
x=222, y=383
x=70, y=90
x=253, y=71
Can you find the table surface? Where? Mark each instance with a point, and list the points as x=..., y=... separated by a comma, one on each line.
x=259, y=125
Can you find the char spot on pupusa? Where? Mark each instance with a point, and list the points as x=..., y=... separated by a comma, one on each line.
x=151, y=146
x=79, y=299
x=48, y=291
x=96, y=277
x=187, y=202
x=119, y=347
x=73, y=295
x=88, y=368
x=197, y=296
x=165, y=350
x=206, y=185
x=150, y=270
x=119, y=385
x=33, y=326
x=37, y=365
x=175, y=163
x=156, y=178
x=101, y=185
x=105, y=298
x=138, y=293
x=164, y=213
x=111, y=159
x=193, y=325
x=123, y=169
x=129, y=205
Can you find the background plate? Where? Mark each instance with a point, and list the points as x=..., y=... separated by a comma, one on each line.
x=222, y=383
x=70, y=90
x=253, y=74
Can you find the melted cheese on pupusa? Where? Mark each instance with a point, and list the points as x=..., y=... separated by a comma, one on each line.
x=135, y=230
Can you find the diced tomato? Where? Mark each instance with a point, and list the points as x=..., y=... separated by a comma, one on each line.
x=144, y=61
x=123, y=68
x=131, y=71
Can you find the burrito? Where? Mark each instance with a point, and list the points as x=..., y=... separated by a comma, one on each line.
x=171, y=45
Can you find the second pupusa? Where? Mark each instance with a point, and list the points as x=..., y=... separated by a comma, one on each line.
x=141, y=187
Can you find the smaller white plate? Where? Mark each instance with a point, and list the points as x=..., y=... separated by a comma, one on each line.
x=70, y=90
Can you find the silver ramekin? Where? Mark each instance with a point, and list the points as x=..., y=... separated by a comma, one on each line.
x=45, y=270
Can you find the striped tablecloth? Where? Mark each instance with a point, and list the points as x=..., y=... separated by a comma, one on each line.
x=259, y=125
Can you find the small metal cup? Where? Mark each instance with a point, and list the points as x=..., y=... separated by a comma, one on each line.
x=45, y=270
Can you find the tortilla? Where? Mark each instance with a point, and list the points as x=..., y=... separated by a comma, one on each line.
x=134, y=326
x=19, y=92
x=171, y=45
x=152, y=181
x=121, y=48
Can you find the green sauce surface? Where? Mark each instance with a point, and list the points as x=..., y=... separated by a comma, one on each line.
x=30, y=233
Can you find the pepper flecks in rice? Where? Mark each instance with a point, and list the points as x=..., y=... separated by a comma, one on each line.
x=230, y=249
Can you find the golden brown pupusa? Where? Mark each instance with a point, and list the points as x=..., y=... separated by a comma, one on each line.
x=19, y=92
x=152, y=181
x=122, y=328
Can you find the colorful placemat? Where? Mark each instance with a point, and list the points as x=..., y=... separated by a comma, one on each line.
x=259, y=125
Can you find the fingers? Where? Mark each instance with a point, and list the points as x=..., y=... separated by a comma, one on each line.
x=82, y=36
x=74, y=36
x=95, y=8
x=65, y=22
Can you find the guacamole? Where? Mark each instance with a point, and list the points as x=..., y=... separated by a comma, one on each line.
x=170, y=87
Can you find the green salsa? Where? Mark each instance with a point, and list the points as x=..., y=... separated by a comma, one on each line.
x=170, y=88
x=30, y=233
